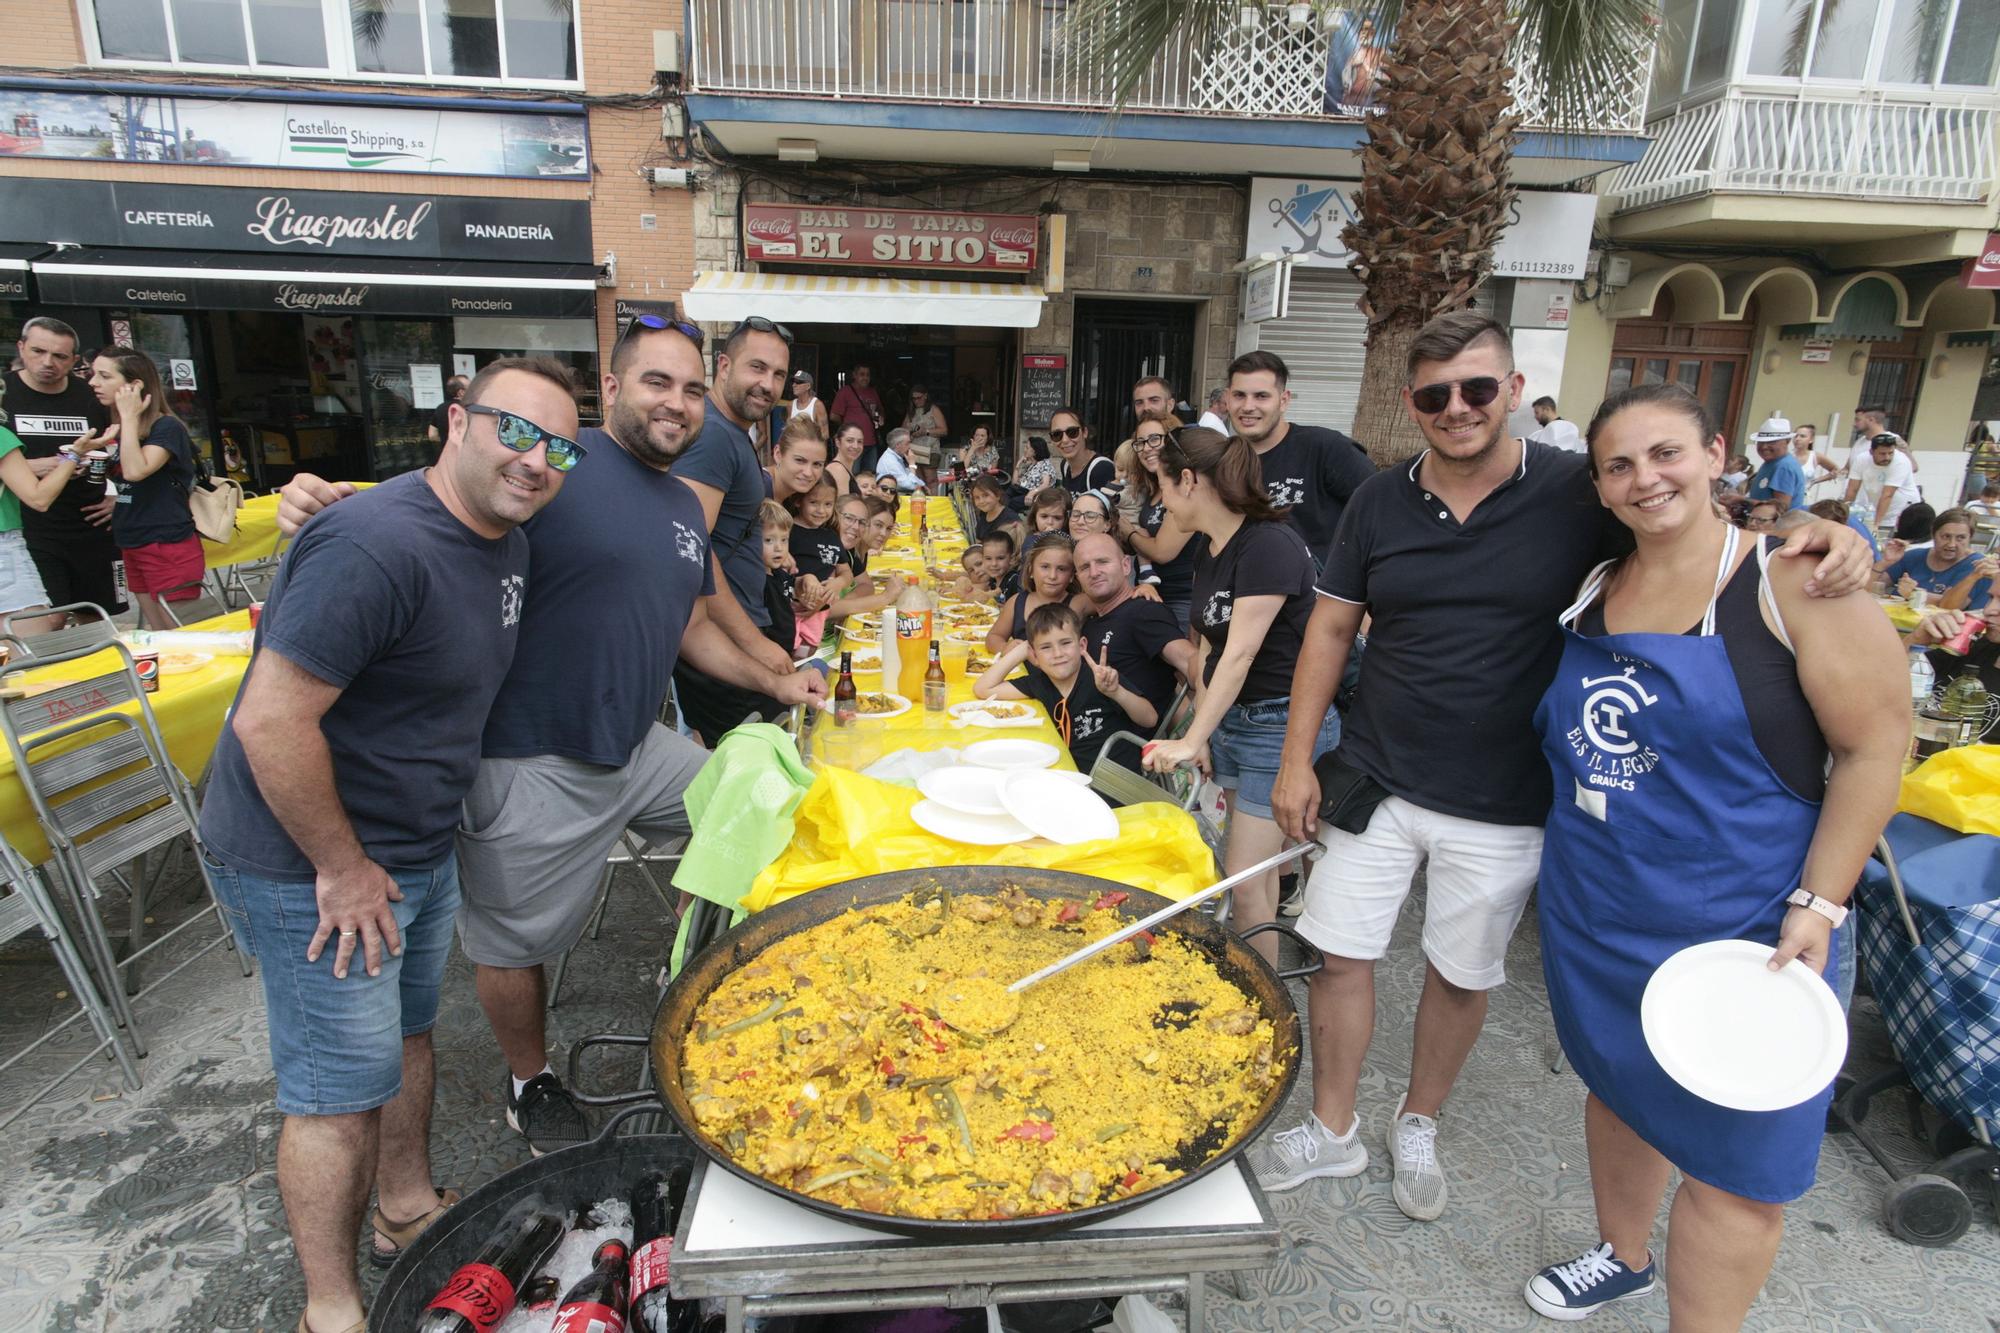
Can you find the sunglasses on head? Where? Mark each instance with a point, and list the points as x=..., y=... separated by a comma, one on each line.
x=520, y=434
x=660, y=323
x=758, y=324
x=1475, y=392
x=1064, y=432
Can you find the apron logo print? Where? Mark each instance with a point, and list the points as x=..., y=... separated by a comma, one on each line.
x=1613, y=699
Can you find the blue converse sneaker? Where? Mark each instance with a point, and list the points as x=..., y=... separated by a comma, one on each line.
x=1586, y=1284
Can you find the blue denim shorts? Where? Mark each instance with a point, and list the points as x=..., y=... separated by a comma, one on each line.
x=337, y=1046
x=1244, y=751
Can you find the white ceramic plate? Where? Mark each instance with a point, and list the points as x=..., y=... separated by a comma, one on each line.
x=958, y=826
x=1008, y=752
x=1733, y=1032
x=902, y=707
x=967, y=788
x=173, y=662
x=1055, y=808
x=980, y=713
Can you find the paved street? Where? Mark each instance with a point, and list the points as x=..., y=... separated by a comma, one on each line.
x=159, y=1210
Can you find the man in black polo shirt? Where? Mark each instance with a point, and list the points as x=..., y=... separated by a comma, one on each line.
x=1463, y=557
x=1309, y=470
x=721, y=468
x=1137, y=636
x=49, y=408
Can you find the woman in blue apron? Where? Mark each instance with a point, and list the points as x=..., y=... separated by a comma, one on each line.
x=1694, y=799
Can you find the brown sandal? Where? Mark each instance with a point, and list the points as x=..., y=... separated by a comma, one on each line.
x=400, y=1234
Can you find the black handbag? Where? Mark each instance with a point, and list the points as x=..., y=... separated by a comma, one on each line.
x=1347, y=796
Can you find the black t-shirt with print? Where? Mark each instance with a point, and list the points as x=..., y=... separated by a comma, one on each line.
x=1137, y=632
x=1177, y=574
x=1099, y=471
x=1261, y=560
x=46, y=422
x=154, y=508
x=817, y=551
x=1311, y=472
x=1092, y=717
x=982, y=526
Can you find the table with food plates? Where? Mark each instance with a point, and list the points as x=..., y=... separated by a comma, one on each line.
x=196, y=690
x=1901, y=614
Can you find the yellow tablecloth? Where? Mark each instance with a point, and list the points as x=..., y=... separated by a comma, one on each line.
x=189, y=708
x=256, y=536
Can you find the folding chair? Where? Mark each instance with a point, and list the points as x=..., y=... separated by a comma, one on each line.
x=629, y=850
x=93, y=632
x=25, y=906
x=105, y=792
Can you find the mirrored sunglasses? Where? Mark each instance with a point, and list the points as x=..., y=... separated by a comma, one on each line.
x=521, y=435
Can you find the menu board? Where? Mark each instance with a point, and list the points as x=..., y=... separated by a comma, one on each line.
x=1044, y=388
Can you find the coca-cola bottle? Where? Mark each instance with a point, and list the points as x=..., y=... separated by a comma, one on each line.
x=656, y=1211
x=480, y=1294
x=596, y=1304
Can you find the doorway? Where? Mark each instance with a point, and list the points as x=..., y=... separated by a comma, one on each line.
x=1711, y=361
x=1119, y=342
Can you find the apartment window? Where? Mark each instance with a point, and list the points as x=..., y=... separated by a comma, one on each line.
x=1694, y=50
x=1969, y=51
x=466, y=39
x=1923, y=42
x=213, y=32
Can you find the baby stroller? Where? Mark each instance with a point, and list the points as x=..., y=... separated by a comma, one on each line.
x=1930, y=941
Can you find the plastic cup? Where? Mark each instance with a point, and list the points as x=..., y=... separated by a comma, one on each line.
x=96, y=463
x=256, y=613
x=953, y=653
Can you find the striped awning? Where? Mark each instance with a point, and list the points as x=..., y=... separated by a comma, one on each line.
x=809, y=298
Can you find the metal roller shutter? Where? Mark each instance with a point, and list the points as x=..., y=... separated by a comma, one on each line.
x=1321, y=341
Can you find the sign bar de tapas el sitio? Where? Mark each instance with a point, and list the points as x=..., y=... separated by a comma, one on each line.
x=892, y=238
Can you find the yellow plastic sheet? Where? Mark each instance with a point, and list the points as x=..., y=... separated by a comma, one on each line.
x=1957, y=788
x=849, y=826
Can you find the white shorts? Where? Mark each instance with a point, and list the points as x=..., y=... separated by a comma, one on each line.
x=20, y=581
x=1478, y=874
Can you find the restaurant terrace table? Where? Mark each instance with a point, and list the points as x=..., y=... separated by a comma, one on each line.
x=189, y=706
x=256, y=536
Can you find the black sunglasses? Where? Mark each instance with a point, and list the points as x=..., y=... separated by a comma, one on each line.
x=1475, y=392
x=520, y=434
x=659, y=323
x=758, y=324
x=1065, y=432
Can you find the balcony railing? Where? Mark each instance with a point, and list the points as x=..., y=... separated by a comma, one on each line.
x=1029, y=53
x=1818, y=142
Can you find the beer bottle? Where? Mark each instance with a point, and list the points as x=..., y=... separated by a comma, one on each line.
x=845, y=704
x=481, y=1294
x=596, y=1304
x=934, y=685
x=656, y=1211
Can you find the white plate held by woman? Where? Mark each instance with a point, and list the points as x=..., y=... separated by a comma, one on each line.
x=1733, y=1032
x=958, y=826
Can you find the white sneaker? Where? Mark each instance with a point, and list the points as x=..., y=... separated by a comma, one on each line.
x=1419, y=1187
x=1291, y=1157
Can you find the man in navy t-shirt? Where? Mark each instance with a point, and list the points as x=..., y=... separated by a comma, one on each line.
x=334, y=794
x=721, y=467
x=574, y=754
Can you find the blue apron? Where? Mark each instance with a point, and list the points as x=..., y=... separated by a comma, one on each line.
x=1669, y=829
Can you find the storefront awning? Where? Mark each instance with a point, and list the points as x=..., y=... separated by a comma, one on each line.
x=803, y=298
x=14, y=257
x=182, y=280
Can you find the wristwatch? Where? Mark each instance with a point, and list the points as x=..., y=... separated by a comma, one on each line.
x=1812, y=902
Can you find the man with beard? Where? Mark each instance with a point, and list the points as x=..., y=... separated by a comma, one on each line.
x=573, y=753
x=1308, y=470
x=1463, y=557
x=722, y=470
x=334, y=791
x=1152, y=400
x=49, y=408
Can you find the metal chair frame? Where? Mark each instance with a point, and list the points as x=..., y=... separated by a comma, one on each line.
x=111, y=799
x=94, y=632
x=29, y=908
x=629, y=850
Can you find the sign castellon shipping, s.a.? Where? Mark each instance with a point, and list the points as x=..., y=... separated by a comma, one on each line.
x=892, y=238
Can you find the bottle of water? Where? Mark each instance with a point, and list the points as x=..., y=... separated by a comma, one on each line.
x=1922, y=679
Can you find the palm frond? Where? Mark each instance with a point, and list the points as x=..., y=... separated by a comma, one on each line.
x=1122, y=38
x=1579, y=48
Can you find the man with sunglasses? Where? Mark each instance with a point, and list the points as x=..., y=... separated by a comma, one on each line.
x=1309, y=470
x=1463, y=558
x=573, y=753
x=334, y=793
x=722, y=469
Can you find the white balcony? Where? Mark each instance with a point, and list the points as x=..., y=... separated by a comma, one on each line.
x=1818, y=142
x=1266, y=62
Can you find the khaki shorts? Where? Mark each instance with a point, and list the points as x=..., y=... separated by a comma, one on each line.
x=534, y=835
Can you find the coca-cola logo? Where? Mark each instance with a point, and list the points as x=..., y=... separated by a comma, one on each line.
x=1990, y=261
x=1012, y=238
x=772, y=229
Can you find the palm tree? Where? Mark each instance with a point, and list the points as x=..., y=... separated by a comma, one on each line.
x=1436, y=179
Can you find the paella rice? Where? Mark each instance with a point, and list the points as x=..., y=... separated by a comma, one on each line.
x=875, y=1061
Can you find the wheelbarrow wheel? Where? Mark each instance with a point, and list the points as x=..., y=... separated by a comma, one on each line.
x=1926, y=1210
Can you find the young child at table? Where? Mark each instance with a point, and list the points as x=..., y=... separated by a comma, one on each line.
x=973, y=585
x=779, y=576
x=1000, y=568
x=817, y=551
x=1086, y=700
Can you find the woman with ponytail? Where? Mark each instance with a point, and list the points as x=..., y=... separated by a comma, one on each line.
x=1252, y=596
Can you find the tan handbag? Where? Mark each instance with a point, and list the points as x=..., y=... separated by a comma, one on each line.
x=214, y=503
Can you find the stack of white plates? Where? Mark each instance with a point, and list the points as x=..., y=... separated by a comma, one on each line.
x=992, y=806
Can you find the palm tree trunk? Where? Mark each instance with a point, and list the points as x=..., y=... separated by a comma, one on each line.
x=1436, y=188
